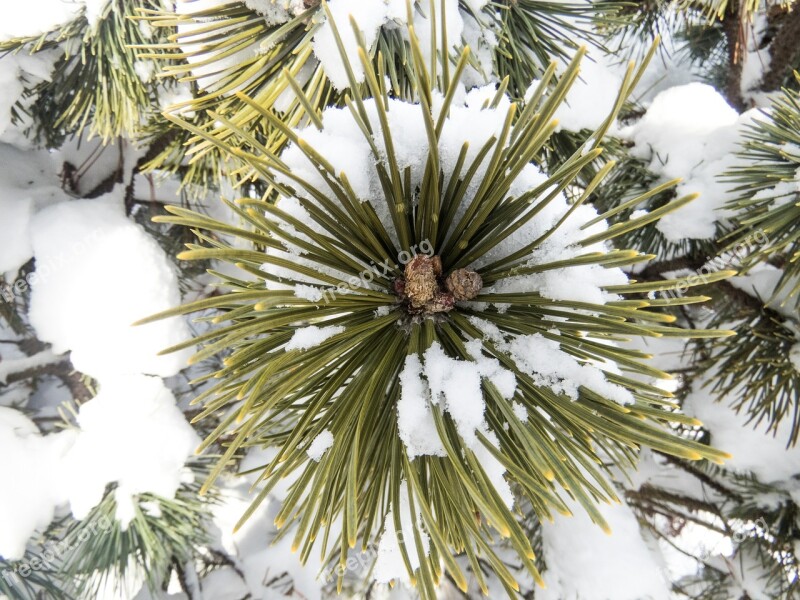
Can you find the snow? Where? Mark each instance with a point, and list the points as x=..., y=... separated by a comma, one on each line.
x=131, y=433
x=38, y=16
x=423, y=25
x=224, y=584
x=414, y=415
x=28, y=182
x=503, y=379
x=746, y=575
x=678, y=116
x=308, y=292
x=494, y=470
x=456, y=384
x=320, y=445
x=552, y=367
x=754, y=451
x=97, y=273
x=33, y=481
x=123, y=586
x=308, y=337
x=794, y=356
x=13, y=69
x=369, y=16
x=389, y=564
x=520, y=411
x=273, y=11
x=549, y=366
x=257, y=559
x=95, y=10
x=14, y=231
x=761, y=282
x=584, y=563
x=690, y=132
x=455, y=387
x=482, y=43
x=591, y=99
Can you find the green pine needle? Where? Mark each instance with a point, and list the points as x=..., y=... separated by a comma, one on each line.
x=349, y=383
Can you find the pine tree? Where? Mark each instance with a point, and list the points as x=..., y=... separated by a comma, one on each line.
x=419, y=309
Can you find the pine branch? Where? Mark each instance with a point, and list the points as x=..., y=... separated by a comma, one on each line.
x=734, y=27
x=704, y=477
x=63, y=370
x=349, y=385
x=784, y=50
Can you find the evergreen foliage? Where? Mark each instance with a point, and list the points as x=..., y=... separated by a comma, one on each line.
x=287, y=398
x=252, y=92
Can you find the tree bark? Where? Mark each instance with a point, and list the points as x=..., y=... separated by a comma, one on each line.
x=734, y=34
x=784, y=50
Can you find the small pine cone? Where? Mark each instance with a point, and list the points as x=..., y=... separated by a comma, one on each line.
x=463, y=284
x=421, y=285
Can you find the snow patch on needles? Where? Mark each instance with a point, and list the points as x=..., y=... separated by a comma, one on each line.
x=320, y=445
x=390, y=564
x=308, y=292
x=549, y=366
x=371, y=16
x=584, y=562
x=36, y=17
x=33, y=484
x=690, y=131
x=454, y=386
x=115, y=444
x=414, y=415
x=764, y=454
x=105, y=272
x=272, y=10
x=308, y=337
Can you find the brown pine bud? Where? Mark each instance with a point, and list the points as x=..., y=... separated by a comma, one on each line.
x=463, y=284
x=421, y=285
